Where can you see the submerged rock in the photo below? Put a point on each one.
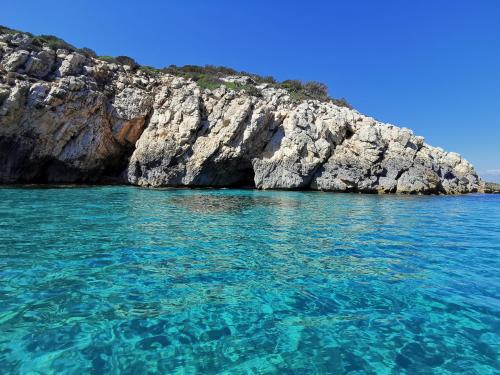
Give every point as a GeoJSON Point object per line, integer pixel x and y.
{"type": "Point", "coordinates": [66, 117]}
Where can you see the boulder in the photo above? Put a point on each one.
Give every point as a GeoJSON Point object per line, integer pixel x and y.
{"type": "Point", "coordinates": [12, 62]}
{"type": "Point", "coordinates": [72, 64]}
{"type": "Point", "coordinates": [41, 64]}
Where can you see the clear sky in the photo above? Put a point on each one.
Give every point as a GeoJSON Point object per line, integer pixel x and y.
{"type": "Point", "coordinates": [429, 65]}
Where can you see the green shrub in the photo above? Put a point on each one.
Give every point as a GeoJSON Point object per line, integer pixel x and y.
{"type": "Point", "coordinates": [150, 70]}
{"type": "Point", "coordinates": [316, 90]}
{"type": "Point", "coordinates": [54, 42]}
{"type": "Point", "coordinates": [224, 70]}
{"type": "Point", "coordinates": [209, 82]}
{"type": "Point", "coordinates": [341, 102]}
{"type": "Point", "coordinates": [192, 70]}
{"type": "Point", "coordinates": [108, 59]}
{"type": "Point", "coordinates": [232, 86]}
{"type": "Point", "coordinates": [292, 85]}
{"type": "Point", "coordinates": [125, 60]}
{"type": "Point", "coordinates": [251, 90]}
{"type": "Point", "coordinates": [88, 52]}
{"type": "Point", "coordinates": [265, 79]}
{"type": "Point", "coordinates": [297, 96]}
{"type": "Point", "coordinates": [310, 90]}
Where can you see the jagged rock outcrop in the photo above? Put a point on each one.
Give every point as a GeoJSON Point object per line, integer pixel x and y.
{"type": "Point", "coordinates": [489, 187]}
{"type": "Point", "coordinates": [68, 117]}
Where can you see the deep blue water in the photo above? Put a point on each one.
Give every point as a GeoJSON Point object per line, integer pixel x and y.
{"type": "Point", "coordinates": [135, 281]}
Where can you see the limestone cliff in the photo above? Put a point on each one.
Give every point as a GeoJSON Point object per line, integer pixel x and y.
{"type": "Point", "coordinates": [69, 117]}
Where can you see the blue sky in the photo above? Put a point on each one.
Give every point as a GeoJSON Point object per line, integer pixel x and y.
{"type": "Point", "coordinates": [432, 66]}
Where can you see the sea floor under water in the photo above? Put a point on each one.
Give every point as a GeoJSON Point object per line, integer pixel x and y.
{"type": "Point", "coordinates": [123, 280]}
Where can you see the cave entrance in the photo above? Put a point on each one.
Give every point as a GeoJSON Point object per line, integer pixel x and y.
{"type": "Point", "coordinates": [237, 173]}
{"type": "Point", "coordinates": [244, 178]}
{"type": "Point", "coordinates": [230, 173]}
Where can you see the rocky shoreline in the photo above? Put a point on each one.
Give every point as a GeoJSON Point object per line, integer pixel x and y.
{"type": "Point", "coordinates": [69, 117]}
{"type": "Point", "coordinates": [490, 188]}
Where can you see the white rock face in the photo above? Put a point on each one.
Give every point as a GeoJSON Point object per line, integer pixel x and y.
{"type": "Point", "coordinates": [68, 117]}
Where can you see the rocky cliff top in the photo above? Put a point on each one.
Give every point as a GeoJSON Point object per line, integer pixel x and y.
{"type": "Point", "coordinates": [68, 116]}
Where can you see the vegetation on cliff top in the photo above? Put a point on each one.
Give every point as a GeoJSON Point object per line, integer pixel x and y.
{"type": "Point", "coordinates": [211, 77]}
{"type": "Point", "coordinates": [51, 41]}
{"type": "Point", "coordinates": [208, 76]}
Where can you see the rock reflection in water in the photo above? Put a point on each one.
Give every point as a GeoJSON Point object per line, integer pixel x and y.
{"type": "Point", "coordinates": [215, 203]}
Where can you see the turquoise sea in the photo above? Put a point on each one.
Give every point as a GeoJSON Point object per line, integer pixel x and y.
{"type": "Point", "coordinates": [122, 280]}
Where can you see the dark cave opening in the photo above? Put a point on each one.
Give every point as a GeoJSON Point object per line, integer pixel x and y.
{"type": "Point", "coordinates": [245, 179]}
{"type": "Point", "coordinates": [232, 173]}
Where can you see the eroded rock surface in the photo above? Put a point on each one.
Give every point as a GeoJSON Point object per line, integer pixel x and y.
{"type": "Point", "coordinates": [67, 117]}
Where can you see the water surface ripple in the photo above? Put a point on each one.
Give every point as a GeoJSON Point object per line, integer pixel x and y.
{"type": "Point", "coordinates": [122, 280]}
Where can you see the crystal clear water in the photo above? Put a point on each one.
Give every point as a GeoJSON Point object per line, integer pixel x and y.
{"type": "Point", "coordinates": [134, 281]}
